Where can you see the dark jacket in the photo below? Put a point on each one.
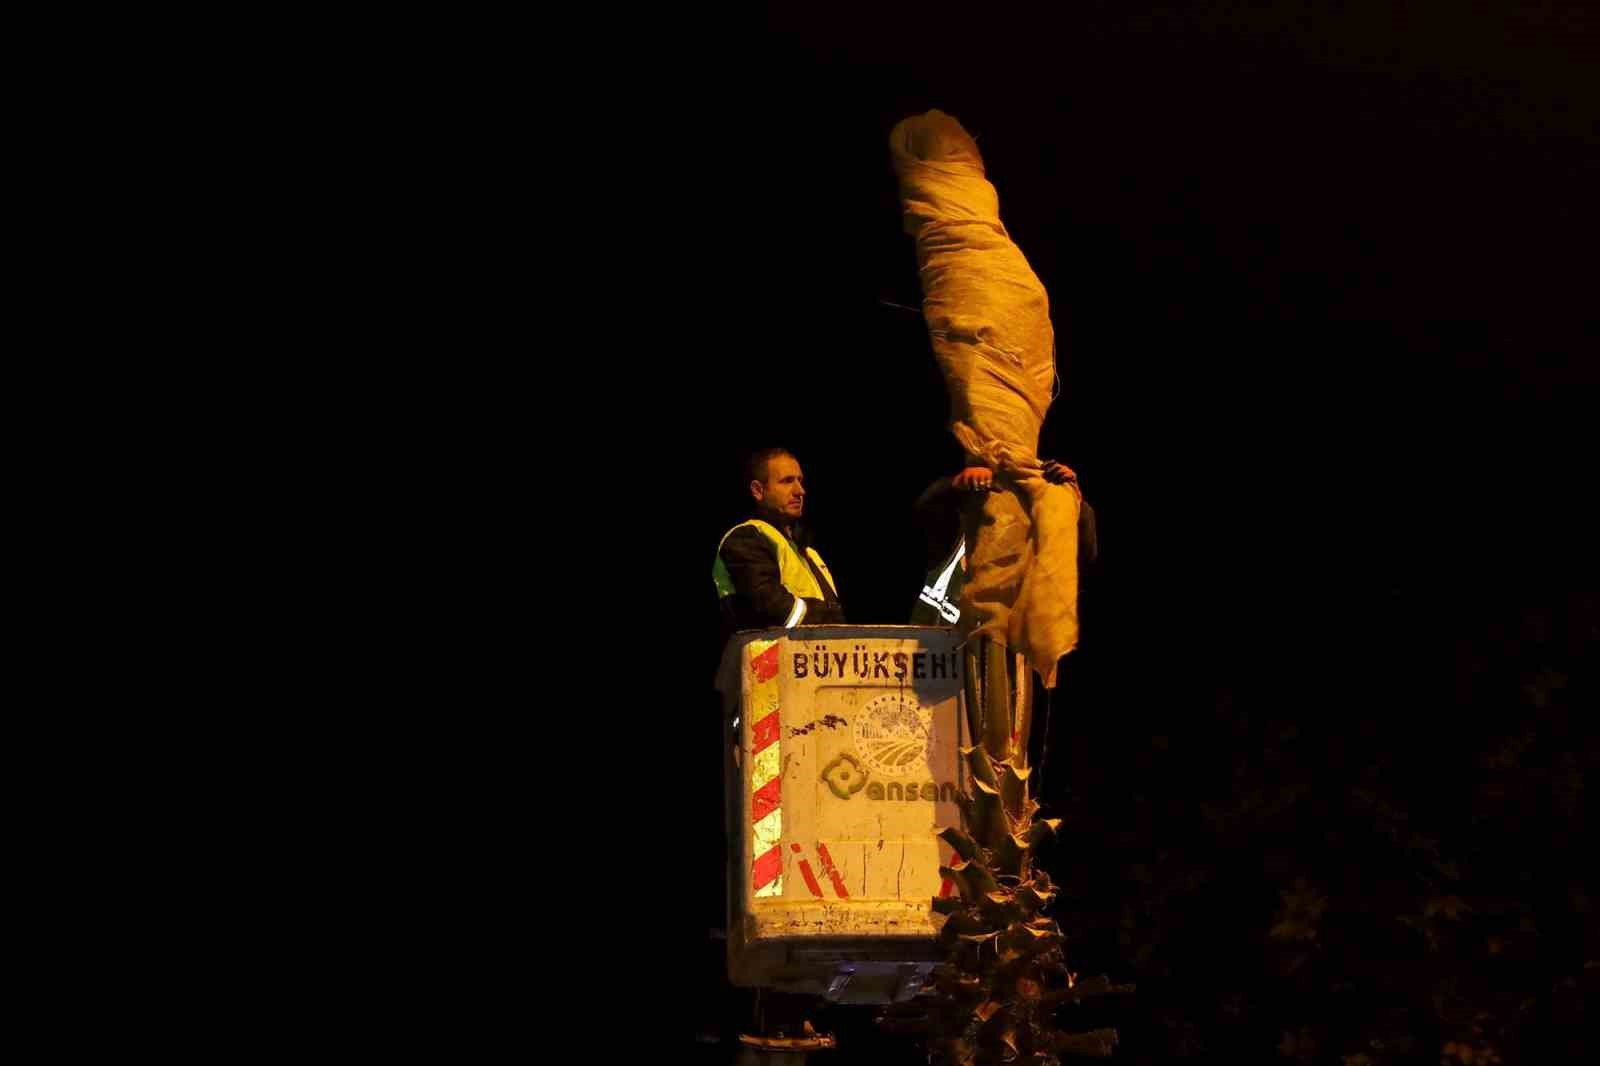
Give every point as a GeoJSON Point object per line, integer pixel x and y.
{"type": "Point", "coordinates": [759, 600]}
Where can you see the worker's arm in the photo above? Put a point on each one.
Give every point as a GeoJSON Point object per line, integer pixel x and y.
{"type": "Point", "coordinates": [938, 509]}
{"type": "Point", "coordinates": [759, 600]}
{"type": "Point", "coordinates": [938, 514]}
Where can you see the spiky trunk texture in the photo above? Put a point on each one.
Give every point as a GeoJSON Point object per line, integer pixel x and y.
{"type": "Point", "coordinates": [995, 997]}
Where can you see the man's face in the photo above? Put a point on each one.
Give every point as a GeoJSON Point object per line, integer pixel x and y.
{"type": "Point", "coordinates": [783, 495]}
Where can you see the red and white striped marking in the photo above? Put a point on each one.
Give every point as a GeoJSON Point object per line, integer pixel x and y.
{"type": "Point", "coordinates": [812, 885]}
{"type": "Point", "coordinates": [766, 786]}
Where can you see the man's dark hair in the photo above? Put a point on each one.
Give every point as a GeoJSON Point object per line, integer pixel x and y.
{"type": "Point", "coordinates": [756, 468]}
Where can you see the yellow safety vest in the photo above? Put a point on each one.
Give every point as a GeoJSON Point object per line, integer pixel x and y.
{"type": "Point", "coordinates": [792, 570]}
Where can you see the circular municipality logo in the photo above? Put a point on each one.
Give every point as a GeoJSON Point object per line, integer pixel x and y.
{"type": "Point", "coordinates": [894, 734]}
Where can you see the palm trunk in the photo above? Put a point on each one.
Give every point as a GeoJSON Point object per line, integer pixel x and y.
{"type": "Point", "coordinates": [994, 999]}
